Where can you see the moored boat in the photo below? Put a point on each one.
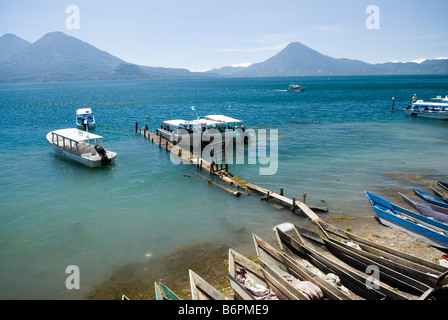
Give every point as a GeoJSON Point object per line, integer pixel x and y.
{"type": "Point", "coordinates": [85, 118]}
{"type": "Point", "coordinates": [202, 290]}
{"type": "Point", "coordinates": [163, 292]}
{"type": "Point", "coordinates": [424, 271]}
{"type": "Point", "coordinates": [431, 199]}
{"type": "Point", "coordinates": [277, 274]}
{"type": "Point", "coordinates": [248, 281]}
{"type": "Point", "coordinates": [436, 109]}
{"type": "Point", "coordinates": [295, 245]}
{"type": "Point", "coordinates": [439, 213]}
{"type": "Point", "coordinates": [423, 228]}
{"type": "Point", "coordinates": [442, 184]}
{"type": "Point", "coordinates": [76, 145]}
{"type": "Point", "coordinates": [295, 88]}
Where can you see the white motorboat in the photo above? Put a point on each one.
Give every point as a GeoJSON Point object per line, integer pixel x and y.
{"type": "Point", "coordinates": [81, 146]}
{"type": "Point", "coordinates": [228, 123]}
{"type": "Point", "coordinates": [85, 118]}
{"type": "Point", "coordinates": [436, 109]}
{"type": "Point", "coordinates": [199, 131]}
{"type": "Point", "coordinates": [295, 88]}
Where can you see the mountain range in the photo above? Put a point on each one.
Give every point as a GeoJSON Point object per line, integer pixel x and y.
{"type": "Point", "coordinates": [59, 57]}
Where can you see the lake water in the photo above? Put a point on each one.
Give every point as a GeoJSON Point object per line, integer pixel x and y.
{"type": "Point", "coordinates": [336, 140]}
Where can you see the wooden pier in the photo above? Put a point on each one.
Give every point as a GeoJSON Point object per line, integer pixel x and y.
{"type": "Point", "coordinates": [222, 173]}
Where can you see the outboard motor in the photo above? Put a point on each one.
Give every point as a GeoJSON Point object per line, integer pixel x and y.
{"type": "Point", "coordinates": [102, 152]}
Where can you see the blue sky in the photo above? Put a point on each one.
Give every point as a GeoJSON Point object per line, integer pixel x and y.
{"type": "Point", "coordinates": [203, 34]}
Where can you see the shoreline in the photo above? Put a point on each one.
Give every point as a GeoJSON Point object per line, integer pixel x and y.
{"type": "Point", "coordinates": [210, 261]}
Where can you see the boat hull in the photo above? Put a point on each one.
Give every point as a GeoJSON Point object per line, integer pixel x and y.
{"type": "Point", "coordinates": [391, 216]}
{"type": "Point", "coordinates": [86, 159]}
{"type": "Point", "coordinates": [430, 114]}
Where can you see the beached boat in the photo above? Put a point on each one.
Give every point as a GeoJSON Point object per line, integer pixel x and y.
{"type": "Point", "coordinates": [436, 212]}
{"type": "Point", "coordinates": [85, 118]}
{"type": "Point", "coordinates": [295, 88]}
{"type": "Point", "coordinates": [81, 146]}
{"type": "Point", "coordinates": [423, 270]}
{"type": "Point", "coordinates": [442, 184]}
{"type": "Point", "coordinates": [295, 244]}
{"type": "Point", "coordinates": [202, 290]}
{"type": "Point", "coordinates": [277, 274]}
{"type": "Point", "coordinates": [164, 293]}
{"type": "Point", "coordinates": [314, 284]}
{"type": "Point", "coordinates": [248, 281]}
{"type": "Point", "coordinates": [431, 199]}
{"type": "Point", "coordinates": [436, 109]}
{"type": "Point", "coordinates": [423, 228]}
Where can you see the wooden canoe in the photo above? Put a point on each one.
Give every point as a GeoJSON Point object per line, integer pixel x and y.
{"type": "Point", "coordinates": [443, 185]}
{"type": "Point", "coordinates": [164, 293]}
{"type": "Point", "coordinates": [240, 292]}
{"type": "Point", "coordinates": [426, 208]}
{"type": "Point", "coordinates": [202, 290]}
{"type": "Point", "coordinates": [275, 271]}
{"type": "Point", "coordinates": [424, 271]}
{"type": "Point", "coordinates": [305, 271]}
{"type": "Point", "coordinates": [391, 272]}
{"type": "Point", "coordinates": [423, 228]}
{"type": "Point", "coordinates": [432, 199]}
{"type": "Point", "coordinates": [361, 283]}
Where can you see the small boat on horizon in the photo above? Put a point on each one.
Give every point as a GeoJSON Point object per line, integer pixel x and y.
{"type": "Point", "coordinates": [85, 118]}
{"type": "Point", "coordinates": [436, 109]}
{"type": "Point", "coordinates": [75, 144]}
{"type": "Point", "coordinates": [295, 88]}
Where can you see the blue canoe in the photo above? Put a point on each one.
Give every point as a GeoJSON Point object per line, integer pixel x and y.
{"type": "Point", "coordinates": [432, 199]}
{"type": "Point", "coordinates": [426, 208]}
{"type": "Point", "coordinates": [423, 228]}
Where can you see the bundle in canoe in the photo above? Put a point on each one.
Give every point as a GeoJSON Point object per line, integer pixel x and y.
{"type": "Point", "coordinates": [248, 281]}
{"type": "Point", "coordinates": [314, 283]}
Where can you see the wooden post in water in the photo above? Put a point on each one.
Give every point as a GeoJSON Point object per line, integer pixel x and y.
{"type": "Point", "coordinates": [136, 127]}
{"type": "Point", "coordinates": [304, 197]}
{"type": "Point", "coordinates": [281, 191]}
{"type": "Point", "coordinates": [293, 208]}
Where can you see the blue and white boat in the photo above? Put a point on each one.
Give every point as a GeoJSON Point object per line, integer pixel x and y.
{"type": "Point", "coordinates": [436, 109]}
{"type": "Point", "coordinates": [431, 199]}
{"type": "Point", "coordinates": [85, 118]}
{"type": "Point", "coordinates": [423, 228]}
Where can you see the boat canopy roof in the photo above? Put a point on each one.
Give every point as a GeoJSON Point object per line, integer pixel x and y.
{"type": "Point", "coordinates": [221, 118]}
{"type": "Point", "coordinates": [205, 122]}
{"type": "Point", "coordinates": [176, 122]}
{"type": "Point", "coordinates": [84, 111]}
{"type": "Point", "coordinates": [76, 134]}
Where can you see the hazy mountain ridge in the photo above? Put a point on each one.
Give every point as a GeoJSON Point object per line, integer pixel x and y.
{"type": "Point", "coordinates": [59, 57]}
{"type": "Point", "coordinates": [297, 59]}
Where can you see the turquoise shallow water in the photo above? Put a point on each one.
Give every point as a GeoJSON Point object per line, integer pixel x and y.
{"type": "Point", "coordinates": [336, 140]}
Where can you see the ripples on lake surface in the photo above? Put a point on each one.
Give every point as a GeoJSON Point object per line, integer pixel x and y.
{"type": "Point", "coordinates": [336, 140]}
